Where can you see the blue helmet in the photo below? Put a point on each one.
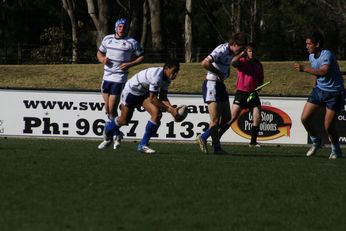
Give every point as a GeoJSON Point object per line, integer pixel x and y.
{"type": "Point", "coordinates": [124, 22]}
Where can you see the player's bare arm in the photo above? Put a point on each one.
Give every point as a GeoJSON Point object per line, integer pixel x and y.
{"type": "Point", "coordinates": [207, 64]}
{"type": "Point", "coordinates": [153, 99]}
{"type": "Point", "coordinates": [167, 104]}
{"type": "Point", "coordinates": [315, 72]}
{"type": "Point", "coordinates": [101, 57]}
{"type": "Point", "coordinates": [235, 59]}
{"type": "Point", "coordinates": [134, 62]}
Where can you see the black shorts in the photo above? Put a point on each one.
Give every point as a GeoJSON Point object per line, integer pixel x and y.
{"type": "Point", "coordinates": [240, 98]}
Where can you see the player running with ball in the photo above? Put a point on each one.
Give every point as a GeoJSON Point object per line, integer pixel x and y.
{"type": "Point", "coordinates": [148, 88]}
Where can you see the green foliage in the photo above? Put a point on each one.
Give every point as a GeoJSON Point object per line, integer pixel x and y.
{"type": "Point", "coordinates": [52, 49]}
{"type": "Point", "coordinates": [279, 28]}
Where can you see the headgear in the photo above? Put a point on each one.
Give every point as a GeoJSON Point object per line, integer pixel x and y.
{"type": "Point", "coordinates": [124, 22]}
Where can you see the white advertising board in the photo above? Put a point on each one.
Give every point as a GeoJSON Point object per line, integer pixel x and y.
{"type": "Point", "coordinates": [70, 114]}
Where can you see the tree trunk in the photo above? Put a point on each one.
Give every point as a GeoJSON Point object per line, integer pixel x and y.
{"type": "Point", "coordinates": [238, 15]}
{"type": "Point", "coordinates": [69, 6]}
{"type": "Point", "coordinates": [99, 19]}
{"type": "Point", "coordinates": [188, 31]}
{"type": "Point", "coordinates": [156, 38]}
{"type": "Point", "coordinates": [4, 28]}
{"type": "Point", "coordinates": [253, 12]}
{"type": "Point", "coordinates": [145, 23]}
{"type": "Point", "coordinates": [19, 37]}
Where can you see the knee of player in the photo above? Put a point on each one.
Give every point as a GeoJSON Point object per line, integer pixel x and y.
{"type": "Point", "coordinates": [122, 120]}
{"type": "Point", "coordinates": [156, 116]}
{"type": "Point", "coordinates": [303, 119]}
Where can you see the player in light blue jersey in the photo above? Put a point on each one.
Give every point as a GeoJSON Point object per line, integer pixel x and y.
{"type": "Point", "coordinates": [328, 94]}
{"type": "Point", "coordinates": [148, 88]}
{"type": "Point", "coordinates": [118, 53]}
{"type": "Point", "coordinates": [217, 63]}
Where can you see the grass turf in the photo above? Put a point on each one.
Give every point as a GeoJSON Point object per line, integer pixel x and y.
{"type": "Point", "coordinates": [285, 80]}
{"type": "Point", "coordinates": [49, 184]}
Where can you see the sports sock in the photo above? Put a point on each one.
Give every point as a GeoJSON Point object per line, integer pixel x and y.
{"type": "Point", "coordinates": [217, 146]}
{"type": "Point", "coordinates": [223, 129]}
{"type": "Point", "coordinates": [116, 127]}
{"type": "Point", "coordinates": [254, 134]}
{"type": "Point", "coordinates": [316, 141]}
{"type": "Point", "coordinates": [336, 149]}
{"type": "Point", "coordinates": [109, 128]}
{"type": "Point", "coordinates": [205, 135]}
{"type": "Point", "coordinates": [150, 129]}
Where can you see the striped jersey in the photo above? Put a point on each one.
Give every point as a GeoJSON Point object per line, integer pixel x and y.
{"type": "Point", "coordinates": [118, 50]}
{"type": "Point", "coordinates": [148, 80]}
{"type": "Point", "coordinates": [221, 59]}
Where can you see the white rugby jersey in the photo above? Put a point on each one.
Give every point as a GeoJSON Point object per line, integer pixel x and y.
{"type": "Point", "coordinates": [221, 60]}
{"type": "Point", "coordinates": [148, 80]}
{"type": "Point", "coordinates": [118, 51]}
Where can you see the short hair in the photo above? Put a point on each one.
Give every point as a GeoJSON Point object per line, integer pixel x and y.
{"type": "Point", "coordinates": [250, 45]}
{"type": "Point", "coordinates": [315, 38]}
{"type": "Point", "coordinates": [240, 39]}
{"type": "Point", "coordinates": [172, 63]}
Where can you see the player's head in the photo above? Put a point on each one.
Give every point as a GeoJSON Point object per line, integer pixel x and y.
{"type": "Point", "coordinates": [121, 27]}
{"type": "Point", "coordinates": [171, 68]}
{"type": "Point", "coordinates": [249, 50]}
{"type": "Point", "coordinates": [238, 42]}
{"type": "Point", "coordinates": [314, 42]}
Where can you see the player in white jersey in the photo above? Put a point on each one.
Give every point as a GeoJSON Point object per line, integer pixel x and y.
{"type": "Point", "coordinates": [214, 90]}
{"type": "Point", "coordinates": [118, 53]}
{"type": "Point", "coordinates": [148, 88]}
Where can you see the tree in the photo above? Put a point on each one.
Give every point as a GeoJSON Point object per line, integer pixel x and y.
{"type": "Point", "coordinates": [70, 8]}
{"type": "Point", "coordinates": [188, 31]}
{"type": "Point", "coordinates": [145, 23]}
{"type": "Point", "coordinates": [156, 31]}
{"type": "Point", "coordinates": [253, 18]}
{"type": "Point", "coordinates": [99, 18]}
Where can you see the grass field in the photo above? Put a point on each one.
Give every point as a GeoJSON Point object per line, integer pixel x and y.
{"type": "Point", "coordinates": [53, 184]}
{"type": "Point", "coordinates": [286, 81]}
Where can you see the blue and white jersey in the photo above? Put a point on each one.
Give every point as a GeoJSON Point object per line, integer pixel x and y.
{"type": "Point", "coordinates": [148, 80]}
{"type": "Point", "coordinates": [222, 57]}
{"type": "Point", "coordinates": [118, 51]}
{"type": "Point", "coordinates": [333, 80]}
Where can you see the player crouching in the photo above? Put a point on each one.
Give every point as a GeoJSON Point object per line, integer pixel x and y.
{"type": "Point", "coordinates": [148, 88]}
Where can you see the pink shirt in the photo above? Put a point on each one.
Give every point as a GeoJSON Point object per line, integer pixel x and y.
{"type": "Point", "coordinates": [249, 75]}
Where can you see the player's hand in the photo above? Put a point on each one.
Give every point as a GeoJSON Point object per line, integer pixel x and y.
{"type": "Point", "coordinates": [124, 66]}
{"type": "Point", "coordinates": [105, 60]}
{"type": "Point", "coordinates": [173, 111]}
{"type": "Point", "coordinates": [298, 67]}
{"type": "Point", "coordinates": [243, 54]}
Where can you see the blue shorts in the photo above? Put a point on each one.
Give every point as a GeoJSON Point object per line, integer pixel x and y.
{"type": "Point", "coordinates": [333, 100]}
{"type": "Point", "coordinates": [133, 101]}
{"type": "Point", "coordinates": [214, 91]}
{"type": "Point", "coordinates": [112, 88]}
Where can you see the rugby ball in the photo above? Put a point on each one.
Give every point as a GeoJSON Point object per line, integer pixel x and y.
{"type": "Point", "coordinates": [182, 113]}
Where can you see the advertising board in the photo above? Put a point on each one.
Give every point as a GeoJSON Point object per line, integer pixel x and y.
{"type": "Point", "coordinates": [71, 114]}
